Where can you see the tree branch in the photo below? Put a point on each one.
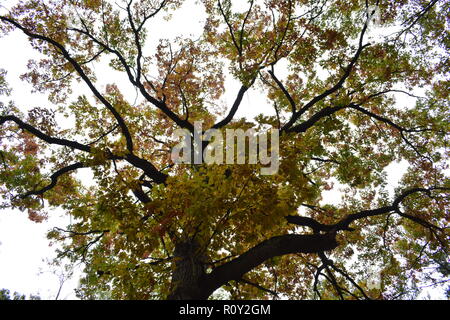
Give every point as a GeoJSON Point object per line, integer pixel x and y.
{"type": "Point", "coordinates": [343, 225]}
{"type": "Point", "coordinates": [335, 87]}
{"type": "Point", "coordinates": [54, 179]}
{"type": "Point", "coordinates": [230, 28]}
{"type": "Point", "coordinates": [78, 68]}
{"type": "Point", "coordinates": [233, 109]}
{"type": "Point", "coordinates": [312, 223]}
{"type": "Point", "coordinates": [276, 246]}
{"type": "Point", "coordinates": [325, 112]}
{"type": "Point", "coordinates": [41, 135]}
{"type": "Point", "coordinates": [284, 90]}
{"type": "Point", "coordinates": [259, 287]}
{"type": "Point", "coordinates": [149, 169]}
{"type": "Point", "coordinates": [394, 125]}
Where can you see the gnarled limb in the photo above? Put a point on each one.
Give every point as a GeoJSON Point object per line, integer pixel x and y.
{"type": "Point", "coordinates": [273, 247]}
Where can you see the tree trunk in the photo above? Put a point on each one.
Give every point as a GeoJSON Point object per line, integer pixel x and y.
{"type": "Point", "coordinates": [188, 273]}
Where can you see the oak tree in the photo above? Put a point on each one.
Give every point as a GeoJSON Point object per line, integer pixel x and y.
{"type": "Point", "coordinates": [354, 87]}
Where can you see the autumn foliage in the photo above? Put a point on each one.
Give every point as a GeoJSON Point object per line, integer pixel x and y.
{"type": "Point", "coordinates": [353, 87]}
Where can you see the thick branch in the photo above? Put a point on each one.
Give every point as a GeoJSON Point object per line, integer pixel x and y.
{"type": "Point", "coordinates": [141, 195]}
{"type": "Point", "coordinates": [273, 247]}
{"type": "Point", "coordinates": [45, 137]}
{"type": "Point", "coordinates": [325, 112]}
{"type": "Point", "coordinates": [149, 169]}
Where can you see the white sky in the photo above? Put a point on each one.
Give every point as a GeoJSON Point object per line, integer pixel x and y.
{"type": "Point", "coordinates": [24, 248]}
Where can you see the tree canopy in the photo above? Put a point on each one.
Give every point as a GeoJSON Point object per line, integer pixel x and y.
{"type": "Point", "coordinates": [354, 87]}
